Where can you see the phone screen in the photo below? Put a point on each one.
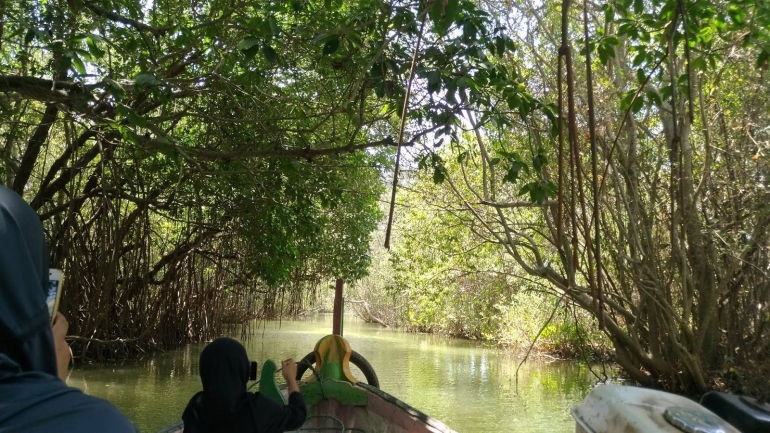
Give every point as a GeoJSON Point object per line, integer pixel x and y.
{"type": "Point", "coordinates": [54, 291]}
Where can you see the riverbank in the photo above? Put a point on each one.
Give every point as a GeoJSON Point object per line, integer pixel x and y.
{"type": "Point", "coordinates": [528, 325]}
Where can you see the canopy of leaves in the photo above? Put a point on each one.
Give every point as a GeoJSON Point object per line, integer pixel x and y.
{"type": "Point", "coordinates": [663, 240]}
{"type": "Point", "coordinates": [217, 151]}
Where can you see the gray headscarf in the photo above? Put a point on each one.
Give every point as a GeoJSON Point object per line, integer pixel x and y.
{"type": "Point", "coordinates": [26, 341]}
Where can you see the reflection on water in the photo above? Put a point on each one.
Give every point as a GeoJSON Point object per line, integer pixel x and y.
{"type": "Point", "coordinates": [470, 388]}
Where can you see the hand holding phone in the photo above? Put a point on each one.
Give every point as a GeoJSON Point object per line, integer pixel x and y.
{"type": "Point", "coordinates": [63, 352]}
{"type": "Point", "coordinates": [55, 277]}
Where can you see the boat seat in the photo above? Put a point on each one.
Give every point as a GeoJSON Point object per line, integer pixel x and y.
{"type": "Point", "coordinates": [332, 358]}
{"type": "Point", "coordinates": [267, 384]}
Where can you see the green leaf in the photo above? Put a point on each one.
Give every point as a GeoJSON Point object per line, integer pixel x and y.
{"type": "Point", "coordinates": [525, 189]}
{"type": "Point", "coordinates": [500, 46]}
{"type": "Point", "coordinates": [78, 64]}
{"type": "Point", "coordinates": [551, 189]}
{"type": "Point", "coordinates": [168, 150]}
{"type": "Point", "coordinates": [251, 52]}
{"type": "Point", "coordinates": [145, 79]}
{"type": "Point", "coordinates": [379, 89]}
{"type": "Point", "coordinates": [331, 45]}
{"type": "Point", "coordinates": [653, 96]}
{"type": "Point", "coordinates": [537, 193]}
{"type": "Point", "coordinates": [494, 161]}
{"type": "Point", "coordinates": [666, 93]}
{"type": "Point", "coordinates": [628, 97]}
{"type": "Point", "coordinates": [129, 114]}
{"type": "Point", "coordinates": [353, 37]}
{"type": "Point", "coordinates": [270, 54]}
{"type": "Point", "coordinates": [637, 104]}
{"type": "Point", "coordinates": [112, 84]}
{"type": "Point", "coordinates": [439, 174]}
{"type": "Point", "coordinates": [539, 161]}
{"type": "Point", "coordinates": [514, 102]}
{"type": "Point", "coordinates": [762, 59]}
{"type": "Point", "coordinates": [604, 55]}
{"type": "Point", "coordinates": [469, 31]}
{"type": "Point", "coordinates": [609, 13]}
{"type": "Point", "coordinates": [136, 119]}
{"type": "Point", "coordinates": [513, 173]}
{"type": "Point", "coordinates": [434, 81]}
{"type": "Point", "coordinates": [29, 36]}
{"type": "Point", "coordinates": [248, 43]}
{"type": "Point", "coordinates": [737, 14]}
{"type": "Point", "coordinates": [641, 77]}
{"type": "Point", "coordinates": [699, 63]}
{"type": "Point", "coordinates": [376, 71]}
{"type": "Point", "coordinates": [93, 48]}
{"type": "Point", "coordinates": [274, 27]}
{"type": "Point", "coordinates": [163, 141]}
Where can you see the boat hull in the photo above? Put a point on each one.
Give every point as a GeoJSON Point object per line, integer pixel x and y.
{"type": "Point", "coordinates": [340, 406]}
{"type": "Point", "coordinates": [380, 413]}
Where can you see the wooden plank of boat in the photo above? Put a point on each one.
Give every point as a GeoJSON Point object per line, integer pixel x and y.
{"type": "Point", "coordinates": [362, 407]}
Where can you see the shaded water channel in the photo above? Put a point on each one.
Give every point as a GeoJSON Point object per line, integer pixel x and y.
{"type": "Point", "coordinates": [469, 387]}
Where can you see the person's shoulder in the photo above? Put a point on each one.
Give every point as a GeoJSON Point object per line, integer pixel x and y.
{"type": "Point", "coordinates": [43, 403]}
{"type": "Point", "coordinates": [98, 414]}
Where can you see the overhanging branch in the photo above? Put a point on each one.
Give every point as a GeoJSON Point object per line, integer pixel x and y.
{"type": "Point", "coordinates": [516, 204]}
{"type": "Point", "coordinates": [157, 31]}
{"type": "Point", "coordinates": [305, 153]}
{"type": "Point", "coordinates": [19, 87]}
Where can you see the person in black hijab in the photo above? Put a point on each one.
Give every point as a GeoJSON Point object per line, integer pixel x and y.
{"type": "Point", "coordinates": [225, 405]}
{"type": "Point", "coordinates": [32, 397]}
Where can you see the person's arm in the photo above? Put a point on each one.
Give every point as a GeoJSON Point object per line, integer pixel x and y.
{"type": "Point", "coordinates": [296, 405]}
{"type": "Point", "coordinates": [289, 371]}
{"type": "Point", "coordinates": [63, 354]}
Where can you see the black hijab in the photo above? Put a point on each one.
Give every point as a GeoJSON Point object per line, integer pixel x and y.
{"type": "Point", "coordinates": [224, 401]}
{"type": "Point", "coordinates": [26, 341]}
{"type": "Point", "coordinates": [224, 370]}
{"type": "Point", "coordinates": [225, 405]}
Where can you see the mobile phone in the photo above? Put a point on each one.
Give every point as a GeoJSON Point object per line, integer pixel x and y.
{"type": "Point", "coordinates": [55, 277]}
{"type": "Point", "coordinates": [253, 371]}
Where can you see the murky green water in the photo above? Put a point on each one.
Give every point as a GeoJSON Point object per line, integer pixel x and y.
{"type": "Point", "coordinates": [469, 387]}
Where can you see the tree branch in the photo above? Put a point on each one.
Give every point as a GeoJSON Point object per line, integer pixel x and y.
{"type": "Point", "coordinates": [517, 204]}
{"type": "Point", "coordinates": [19, 87]}
{"type": "Point", "coordinates": [112, 16]}
{"type": "Point", "coordinates": [33, 148]}
{"type": "Point", "coordinates": [306, 153]}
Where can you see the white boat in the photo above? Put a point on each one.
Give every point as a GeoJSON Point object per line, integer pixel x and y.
{"type": "Point", "coordinates": [629, 409]}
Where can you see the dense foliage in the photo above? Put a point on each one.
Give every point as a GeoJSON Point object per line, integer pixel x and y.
{"type": "Point", "coordinates": [663, 239]}
{"type": "Point", "coordinates": [196, 163]}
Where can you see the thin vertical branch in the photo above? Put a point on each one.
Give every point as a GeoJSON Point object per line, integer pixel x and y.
{"type": "Point", "coordinates": [594, 170]}
{"type": "Point", "coordinates": [564, 51]}
{"type": "Point", "coordinates": [404, 110]}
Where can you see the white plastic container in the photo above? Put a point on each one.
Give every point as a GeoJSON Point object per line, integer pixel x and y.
{"type": "Point", "coordinates": [628, 409]}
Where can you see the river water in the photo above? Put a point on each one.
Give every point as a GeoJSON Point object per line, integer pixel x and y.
{"type": "Point", "coordinates": [469, 387]}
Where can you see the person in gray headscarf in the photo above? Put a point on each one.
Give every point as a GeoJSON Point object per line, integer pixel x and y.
{"type": "Point", "coordinates": [33, 398]}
